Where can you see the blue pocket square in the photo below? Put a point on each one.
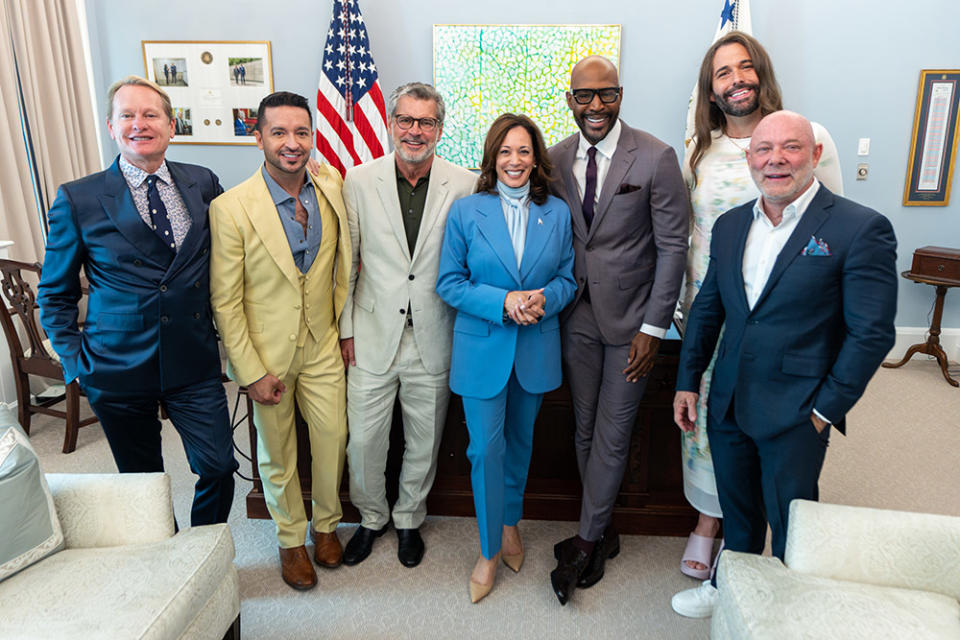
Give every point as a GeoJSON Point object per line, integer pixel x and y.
{"type": "Point", "coordinates": [816, 248]}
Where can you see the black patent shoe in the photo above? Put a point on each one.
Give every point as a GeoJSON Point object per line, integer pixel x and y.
{"type": "Point", "coordinates": [361, 544]}
{"type": "Point", "coordinates": [409, 547]}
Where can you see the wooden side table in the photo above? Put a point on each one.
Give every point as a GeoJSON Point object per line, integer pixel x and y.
{"type": "Point", "coordinates": [932, 346]}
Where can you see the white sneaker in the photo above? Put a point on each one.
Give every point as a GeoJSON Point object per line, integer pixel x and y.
{"type": "Point", "coordinates": [696, 603]}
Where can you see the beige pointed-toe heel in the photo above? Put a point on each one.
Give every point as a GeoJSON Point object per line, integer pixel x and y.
{"type": "Point", "coordinates": [514, 561]}
{"type": "Point", "coordinates": [479, 591]}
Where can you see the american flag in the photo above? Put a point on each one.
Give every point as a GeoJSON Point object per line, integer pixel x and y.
{"type": "Point", "coordinates": [351, 115]}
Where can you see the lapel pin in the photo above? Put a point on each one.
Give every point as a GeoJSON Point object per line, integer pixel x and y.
{"type": "Point", "coordinates": [539, 220]}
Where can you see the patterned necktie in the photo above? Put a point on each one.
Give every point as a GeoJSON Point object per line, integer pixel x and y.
{"type": "Point", "coordinates": [590, 192]}
{"type": "Point", "coordinates": [158, 214]}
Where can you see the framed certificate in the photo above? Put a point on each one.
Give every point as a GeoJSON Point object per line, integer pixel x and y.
{"type": "Point", "coordinates": [933, 145]}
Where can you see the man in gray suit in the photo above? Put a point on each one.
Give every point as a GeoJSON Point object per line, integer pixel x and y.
{"type": "Point", "coordinates": [630, 215]}
{"type": "Point", "coordinates": [395, 331]}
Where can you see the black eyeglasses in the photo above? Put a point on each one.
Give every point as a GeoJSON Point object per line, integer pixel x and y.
{"type": "Point", "coordinates": [608, 95]}
{"type": "Point", "coordinates": [426, 124]}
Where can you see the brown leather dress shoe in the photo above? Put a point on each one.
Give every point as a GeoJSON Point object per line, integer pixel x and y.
{"type": "Point", "coordinates": [295, 568]}
{"type": "Point", "coordinates": [327, 551]}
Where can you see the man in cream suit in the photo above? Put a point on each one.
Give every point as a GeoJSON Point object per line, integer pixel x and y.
{"type": "Point", "coordinates": [278, 280]}
{"type": "Point", "coordinates": [395, 331]}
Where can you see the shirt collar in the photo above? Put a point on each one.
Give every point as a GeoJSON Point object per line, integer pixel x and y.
{"type": "Point", "coordinates": [277, 193]}
{"type": "Point", "coordinates": [135, 175]}
{"type": "Point", "coordinates": [793, 210]}
{"type": "Point", "coordinates": [605, 147]}
{"type": "Point", "coordinates": [403, 180]}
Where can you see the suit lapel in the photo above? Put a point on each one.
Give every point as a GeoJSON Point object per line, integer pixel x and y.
{"type": "Point", "coordinates": [812, 219]}
{"type": "Point", "coordinates": [193, 199]}
{"type": "Point", "coordinates": [565, 160]}
{"type": "Point", "coordinates": [387, 192]}
{"type": "Point", "coordinates": [540, 227]}
{"type": "Point", "coordinates": [492, 225]}
{"type": "Point", "coordinates": [118, 204]}
{"type": "Point", "coordinates": [262, 213]}
{"type": "Point", "coordinates": [437, 194]}
{"type": "Point", "coordinates": [622, 159]}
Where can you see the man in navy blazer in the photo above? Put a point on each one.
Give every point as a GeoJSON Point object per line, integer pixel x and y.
{"type": "Point", "coordinates": [803, 284]}
{"type": "Point", "coordinates": [139, 231]}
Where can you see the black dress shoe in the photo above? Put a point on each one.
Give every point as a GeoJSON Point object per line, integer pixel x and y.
{"type": "Point", "coordinates": [606, 548]}
{"type": "Point", "coordinates": [361, 544]}
{"type": "Point", "coordinates": [571, 563]}
{"type": "Point", "coordinates": [409, 547]}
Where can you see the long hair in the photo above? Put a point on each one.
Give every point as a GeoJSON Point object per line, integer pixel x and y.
{"type": "Point", "coordinates": [539, 175]}
{"type": "Point", "coordinates": [708, 115]}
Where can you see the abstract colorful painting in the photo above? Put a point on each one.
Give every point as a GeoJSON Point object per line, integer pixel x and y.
{"type": "Point", "coordinates": [485, 70]}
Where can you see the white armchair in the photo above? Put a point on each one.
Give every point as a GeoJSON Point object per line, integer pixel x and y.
{"type": "Point", "coordinates": [851, 572]}
{"type": "Point", "coordinates": [123, 572]}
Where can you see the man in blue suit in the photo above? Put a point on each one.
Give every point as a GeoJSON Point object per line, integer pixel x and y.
{"type": "Point", "coordinates": [139, 231]}
{"type": "Point", "coordinates": [804, 285]}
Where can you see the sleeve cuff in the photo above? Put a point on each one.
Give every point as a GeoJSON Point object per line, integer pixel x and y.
{"type": "Point", "coordinates": [823, 417]}
{"type": "Point", "coordinates": [650, 330]}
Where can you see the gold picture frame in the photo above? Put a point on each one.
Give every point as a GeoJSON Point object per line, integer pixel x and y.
{"type": "Point", "coordinates": [215, 86]}
{"type": "Point", "coordinates": [933, 145]}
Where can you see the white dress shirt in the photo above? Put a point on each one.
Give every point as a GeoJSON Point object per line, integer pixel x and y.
{"type": "Point", "coordinates": [605, 150]}
{"type": "Point", "coordinates": [764, 244]}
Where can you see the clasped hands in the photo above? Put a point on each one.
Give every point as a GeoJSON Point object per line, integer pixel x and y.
{"type": "Point", "coordinates": [525, 307]}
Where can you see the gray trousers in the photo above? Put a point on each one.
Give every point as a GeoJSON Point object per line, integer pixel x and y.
{"type": "Point", "coordinates": [423, 402]}
{"type": "Point", "coordinates": [605, 408]}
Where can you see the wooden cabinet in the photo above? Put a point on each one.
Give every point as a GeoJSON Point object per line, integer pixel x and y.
{"type": "Point", "coordinates": [651, 497]}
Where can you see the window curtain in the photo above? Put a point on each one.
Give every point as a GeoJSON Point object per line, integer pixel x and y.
{"type": "Point", "coordinates": [46, 111]}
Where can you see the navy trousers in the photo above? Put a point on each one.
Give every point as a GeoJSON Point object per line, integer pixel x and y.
{"type": "Point", "coordinates": [199, 414]}
{"type": "Point", "coordinates": [758, 477]}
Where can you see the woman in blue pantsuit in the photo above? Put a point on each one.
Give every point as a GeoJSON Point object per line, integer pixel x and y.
{"type": "Point", "coordinates": [507, 268]}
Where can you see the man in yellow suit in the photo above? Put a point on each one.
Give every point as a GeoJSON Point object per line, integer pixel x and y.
{"type": "Point", "coordinates": [278, 279]}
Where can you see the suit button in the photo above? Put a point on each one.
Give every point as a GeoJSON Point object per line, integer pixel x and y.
{"type": "Point", "coordinates": [403, 311]}
{"type": "Point", "coordinates": [292, 337]}
{"type": "Point", "coordinates": [204, 252]}
{"type": "Point", "coordinates": [137, 263]}
{"type": "Point", "coordinates": [410, 277]}
{"type": "Point", "coordinates": [196, 316]}
{"type": "Point", "coordinates": [296, 306]}
{"type": "Point", "coordinates": [164, 319]}
{"type": "Point", "coordinates": [163, 287]}
{"type": "Point", "coordinates": [589, 247]}
{"type": "Point", "coordinates": [197, 284]}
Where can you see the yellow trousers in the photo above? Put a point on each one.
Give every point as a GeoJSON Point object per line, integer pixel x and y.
{"type": "Point", "coordinates": [316, 381]}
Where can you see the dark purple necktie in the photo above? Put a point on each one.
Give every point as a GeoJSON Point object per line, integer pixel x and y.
{"type": "Point", "coordinates": [590, 191]}
{"type": "Point", "coordinates": [158, 214]}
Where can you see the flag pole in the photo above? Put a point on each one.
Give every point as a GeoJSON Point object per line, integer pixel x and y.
{"type": "Point", "coordinates": [348, 92]}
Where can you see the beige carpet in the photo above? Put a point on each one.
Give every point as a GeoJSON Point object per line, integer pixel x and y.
{"type": "Point", "coordinates": [901, 453]}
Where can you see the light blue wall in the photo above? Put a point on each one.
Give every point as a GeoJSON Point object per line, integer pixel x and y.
{"type": "Point", "coordinates": [852, 65]}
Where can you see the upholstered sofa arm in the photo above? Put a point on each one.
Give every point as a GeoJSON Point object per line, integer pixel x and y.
{"type": "Point", "coordinates": [108, 510]}
{"type": "Point", "coordinates": [889, 548]}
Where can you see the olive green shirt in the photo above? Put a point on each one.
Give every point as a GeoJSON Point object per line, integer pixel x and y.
{"type": "Point", "coordinates": [413, 198]}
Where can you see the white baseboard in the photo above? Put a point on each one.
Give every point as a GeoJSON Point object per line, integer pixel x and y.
{"type": "Point", "coordinates": [907, 336]}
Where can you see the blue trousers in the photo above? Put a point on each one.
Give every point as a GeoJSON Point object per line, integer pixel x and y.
{"type": "Point", "coordinates": [501, 441]}
{"type": "Point", "coordinates": [199, 414]}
